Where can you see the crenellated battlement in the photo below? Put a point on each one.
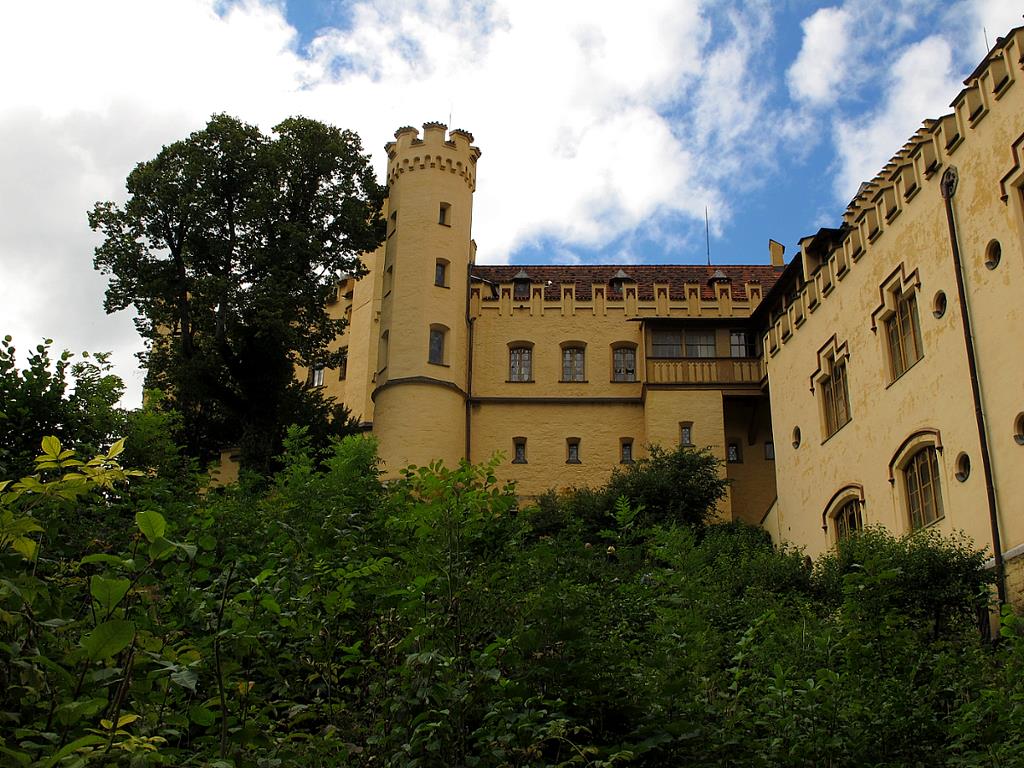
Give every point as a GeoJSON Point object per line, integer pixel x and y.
{"type": "Point", "coordinates": [438, 149]}
{"type": "Point", "coordinates": [634, 291]}
{"type": "Point", "coordinates": [828, 256]}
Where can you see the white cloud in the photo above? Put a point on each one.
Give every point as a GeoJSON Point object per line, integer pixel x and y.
{"type": "Point", "coordinates": [921, 85]}
{"type": "Point", "coordinates": [821, 67]}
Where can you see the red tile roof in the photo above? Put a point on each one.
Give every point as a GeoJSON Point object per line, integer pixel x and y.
{"type": "Point", "coordinates": [584, 276]}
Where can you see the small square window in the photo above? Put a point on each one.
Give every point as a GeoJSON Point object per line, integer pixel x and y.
{"type": "Point", "coordinates": [732, 453]}
{"type": "Point", "coordinates": [572, 450]}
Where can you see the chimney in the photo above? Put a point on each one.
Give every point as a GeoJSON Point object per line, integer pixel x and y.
{"type": "Point", "coordinates": [776, 252]}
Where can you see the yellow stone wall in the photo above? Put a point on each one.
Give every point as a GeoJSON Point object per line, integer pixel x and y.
{"type": "Point", "coordinates": [898, 234]}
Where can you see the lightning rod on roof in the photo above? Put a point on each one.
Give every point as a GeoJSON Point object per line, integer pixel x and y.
{"type": "Point", "coordinates": [984, 31]}
{"type": "Point", "coordinates": [707, 234]}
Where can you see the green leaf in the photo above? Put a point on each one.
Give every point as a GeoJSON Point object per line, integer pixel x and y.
{"type": "Point", "coordinates": [186, 678]}
{"type": "Point", "coordinates": [160, 548]}
{"type": "Point", "coordinates": [101, 557]}
{"type": "Point", "coordinates": [270, 604]}
{"type": "Point", "coordinates": [151, 523]}
{"type": "Point", "coordinates": [51, 446]}
{"type": "Point", "coordinates": [108, 592]}
{"type": "Point", "coordinates": [108, 639]}
{"type": "Point", "coordinates": [200, 715]}
{"type": "Point", "coordinates": [85, 741]}
{"type": "Point", "coordinates": [116, 449]}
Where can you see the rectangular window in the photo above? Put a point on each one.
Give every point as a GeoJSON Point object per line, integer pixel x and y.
{"type": "Point", "coordinates": [441, 273]}
{"type": "Point", "coordinates": [343, 365]}
{"type": "Point", "coordinates": [924, 497]}
{"type": "Point", "coordinates": [904, 335]}
{"type": "Point", "coordinates": [518, 450]}
{"type": "Point", "coordinates": [624, 364]}
{"type": "Point", "coordinates": [700, 343]}
{"type": "Point", "coordinates": [732, 453]}
{"type": "Point", "coordinates": [444, 215]}
{"type": "Point", "coordinates": [626, 451]}
{"type": "Point", "coordinates": [849, 519]}
{"type": "Point", "coordinates": [741, 344]}
{"type": "Point", "coordinates": [521, 290]}
{"type": "Point", "coordinates": [686, 433]}
{"type": "Point", "coordinates": [316, 376]}
{"type": "Point", "coordinates": [769, 451]}
{"type": "Point", "coordinates": [666, 344]}
{"type": "Point", "coordinates": [520, 364]}
{"type": "Point", "coordinates": [572, 364]}
{"type": "Point", "coordinates": [436, 355]}
{"type": "Point", "coordinates": [572, 450]}
{"type": "Point", "coordinates": [835, 398]}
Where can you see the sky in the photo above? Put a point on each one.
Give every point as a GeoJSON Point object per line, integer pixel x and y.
{"type": "Point", "coordinates": [606, 128]}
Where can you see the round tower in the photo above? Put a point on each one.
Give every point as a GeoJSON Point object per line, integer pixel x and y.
{"type": "Point", "coordinates": [422, 368]}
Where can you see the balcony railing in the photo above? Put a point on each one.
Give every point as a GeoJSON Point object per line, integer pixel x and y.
{"type": "Point", "coordinates": [703, 370]}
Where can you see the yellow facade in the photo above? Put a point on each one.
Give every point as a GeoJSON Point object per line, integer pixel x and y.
{"type": "Point", "coordinates": [432, 340]}
{"type": "Point", "coordinates": [843, 306]}
{"type": "Point", "coordinates": [844, 354]}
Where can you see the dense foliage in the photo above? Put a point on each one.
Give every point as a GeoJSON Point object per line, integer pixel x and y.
{"type": "Point", "coordinates": [331, 619]}
{"type": "Point", "coordinates": [228, 246]}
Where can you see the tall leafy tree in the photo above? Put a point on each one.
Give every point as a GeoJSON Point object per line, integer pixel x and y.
{"type": "Point", "coordinates": [228, 246]}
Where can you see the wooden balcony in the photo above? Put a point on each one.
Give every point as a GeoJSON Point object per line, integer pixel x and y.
{"type": "Point", "coordinates": [704, 370]}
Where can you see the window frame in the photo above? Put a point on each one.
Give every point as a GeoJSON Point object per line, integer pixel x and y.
{"type": "Point", "coordinates": [516, 373]}
{"type": "Point", "coordinates": [441, 270]}
{"type": "Point", "coordinates": [920, 472]}
{"type": "Point", "coordinates": [437, 331]}
{"type": "Point", "coordinates": [626, 450]}
{"type": "Point", "coordinates": [748, 345]}
{"type": "Point", "coordinates": [572, 450]}
{"type": "Point", "coordinates": [903, 324]}
{"type": "Point", "coordinates": [699, 348]}
{"type": "Point", "coordinates": [841, 528]}
{"type": "Point", "coordinates": [574, 363]}
{"type": "Point", "coordinates": [343, 364]}
{"type": "Point", "coordinates": [835, 395]}
{"type": "Point", "coordinates": [519, 455]}
{"type": "Point", "coordinates": [628, 374]}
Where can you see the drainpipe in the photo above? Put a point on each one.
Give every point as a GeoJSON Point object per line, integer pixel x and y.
{"type": "Point", "coordinates": [948, 188]}
{"type": "Point", "coordinates": [470, 325]}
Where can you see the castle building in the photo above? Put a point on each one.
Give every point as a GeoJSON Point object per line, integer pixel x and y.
{"type": "Point", "coordinates": [885, 358]}
{"type": "Point", "coordinates": [893, 342]}
{"type": "Point", "coordinates": [567, 371]}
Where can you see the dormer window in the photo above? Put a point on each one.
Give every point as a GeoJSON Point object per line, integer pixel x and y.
{"type": "Point", "coordinates": [521, 286]}
{"type": "Point", "coordinates": [615, 285]}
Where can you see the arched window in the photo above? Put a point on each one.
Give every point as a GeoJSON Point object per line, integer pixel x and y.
{"type": "Point", "coordinates": [844, 513]}
{"type": "Point", "coordinates": [915, 471]}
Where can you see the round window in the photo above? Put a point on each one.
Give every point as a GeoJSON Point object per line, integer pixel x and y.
{"type": "Point", "coordinates": [993, 254]}
{"type": "Point", "coordinates": [1018, 429]}
{"type": "Point", "coordinates": [939, 304]}
{"type": "Point", "coordinates": [963, 467]}
{"type": "Point", "coordinates": [796, 437]}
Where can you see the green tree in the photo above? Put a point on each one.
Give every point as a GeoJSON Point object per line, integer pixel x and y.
{"type": "Point", "coordinates": [228, 246]}
{"type": "Point", "coordinates": [75, 401]}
